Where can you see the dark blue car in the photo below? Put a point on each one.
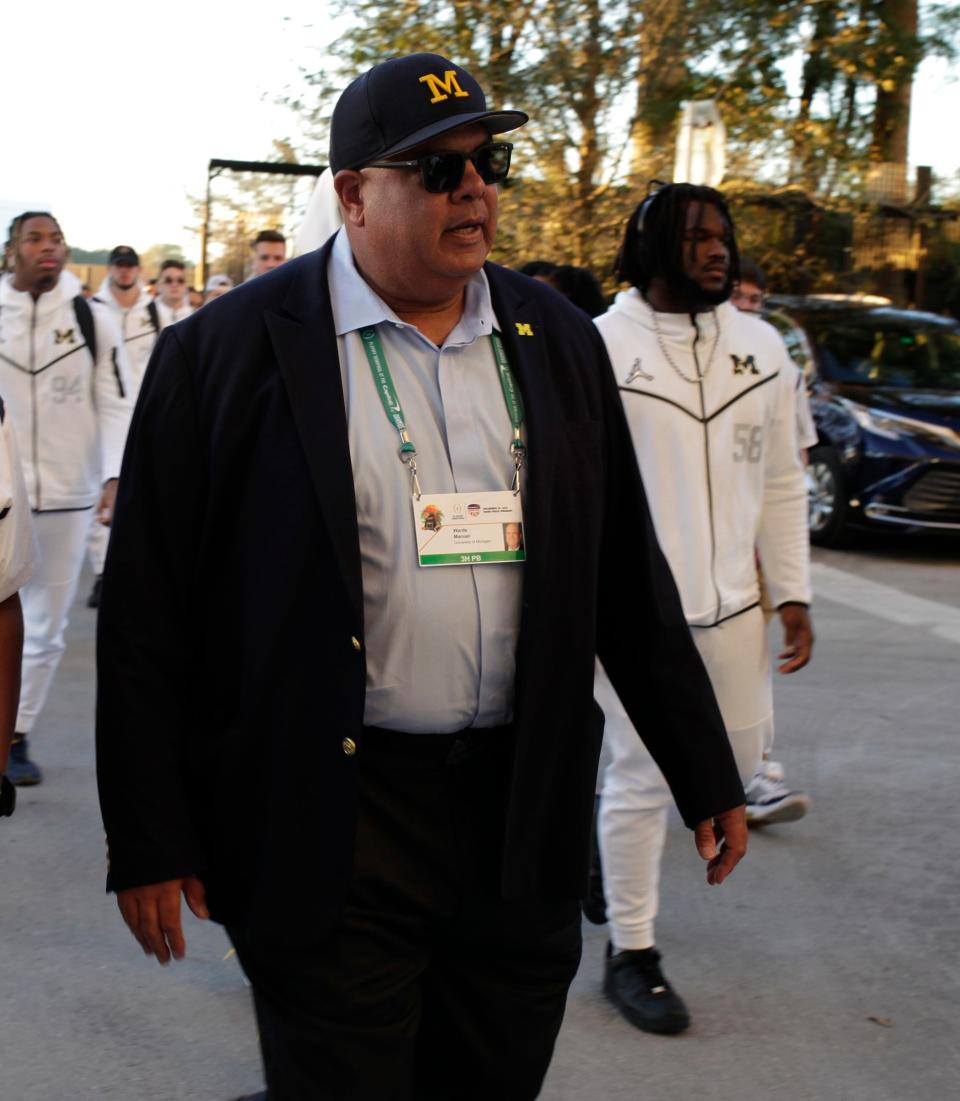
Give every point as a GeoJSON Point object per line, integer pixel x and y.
{"type": "Point", "coordinates": [884, 388]}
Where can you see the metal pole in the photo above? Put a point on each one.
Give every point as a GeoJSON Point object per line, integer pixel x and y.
{"type": "Point", "coordinates": [205, 234]}
{"type": "Point", "coordinates": [216, 166]}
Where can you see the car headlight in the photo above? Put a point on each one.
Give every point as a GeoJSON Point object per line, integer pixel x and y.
{"type": "Point", "coordinates": [893, 426]}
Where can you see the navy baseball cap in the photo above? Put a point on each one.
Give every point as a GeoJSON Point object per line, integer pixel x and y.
{"type": "Point", "coordinates": [125, 256]}
{"type": "Point", "coordinates": [405, 101]}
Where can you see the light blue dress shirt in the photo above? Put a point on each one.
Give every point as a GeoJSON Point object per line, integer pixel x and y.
{"type": "Point", "coordinates": [440, 641]}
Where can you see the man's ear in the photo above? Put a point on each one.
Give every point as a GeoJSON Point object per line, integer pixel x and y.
{"type": "Point", "coordinates": [348, 185]}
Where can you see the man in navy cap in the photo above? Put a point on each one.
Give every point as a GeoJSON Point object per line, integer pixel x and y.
{"type": "Point", "coordinates": [339, 711]}
{"type": "Point", "coordinates": [135, 311]}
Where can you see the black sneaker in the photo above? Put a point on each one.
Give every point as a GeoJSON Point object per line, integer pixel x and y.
{"type": "Point", "coordinates": [93, 600]}
{"type": "Point", "coordinates": [20, 769]}
{"type": "Point", "coordinates": [635, 984]}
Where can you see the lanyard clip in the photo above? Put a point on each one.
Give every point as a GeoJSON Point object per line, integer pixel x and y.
{"type": "Point", "coordinates": [518, 452]}
{"type": "Point", "coordinates": [413, 477]}
{"type": "Point", "coordinates": [408, 456]}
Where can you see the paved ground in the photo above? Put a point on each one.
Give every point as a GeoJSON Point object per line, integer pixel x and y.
{"type": "Point", "coordinates": [827, 968]}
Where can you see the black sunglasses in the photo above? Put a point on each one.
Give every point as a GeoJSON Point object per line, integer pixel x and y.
{"type": "Point", "coordinates": [444, 171]}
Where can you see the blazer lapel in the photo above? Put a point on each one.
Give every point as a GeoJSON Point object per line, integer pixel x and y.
{"type": "Point", "coordinates": [524, 341]}
{"type": "Point", "coordinates": [305, 343]}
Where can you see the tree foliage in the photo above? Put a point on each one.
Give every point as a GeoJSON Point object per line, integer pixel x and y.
{"type": "Point", "coordinates": [812, 92]}
{"type": "Point", "coordinates": [151, 258]}
{"type": "Point", "coordinates": [89, 256]}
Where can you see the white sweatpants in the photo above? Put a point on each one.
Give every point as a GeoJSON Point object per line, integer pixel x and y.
{"type": "Point", "coordinates": [635, 797]}
{"type": "Point", "coordinates": [46, 599]}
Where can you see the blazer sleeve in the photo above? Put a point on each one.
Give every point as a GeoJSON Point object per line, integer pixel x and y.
{"type": "Point", "coordinates": [643, 640]}
{"type": "Point", "coordinates": [144, 636]}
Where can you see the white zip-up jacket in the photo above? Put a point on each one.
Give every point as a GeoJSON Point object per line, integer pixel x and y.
{"type": "Point", "coordinates": [136, 327]}
{"type": "Point", "coordinates": [169, 315]}
{"type": "Point", "coordinates": [717, 450]}
{"type": "Point", "coordinates": [70, 414]}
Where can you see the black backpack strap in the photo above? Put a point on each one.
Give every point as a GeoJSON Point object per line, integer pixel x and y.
{"type": "Point", "coordinates": [81, 307]}
{"type": "Point", "coordinates": [154, 315]}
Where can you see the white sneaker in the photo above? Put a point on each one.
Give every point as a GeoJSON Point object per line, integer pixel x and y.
{"type": "Point", "coordinates": [769, 799]}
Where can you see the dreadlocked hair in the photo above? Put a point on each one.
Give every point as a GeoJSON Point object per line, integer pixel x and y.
{"type": "Point", "coordinates": [653, 239]}
{"type": "Point", "coordinates": [15, 227]}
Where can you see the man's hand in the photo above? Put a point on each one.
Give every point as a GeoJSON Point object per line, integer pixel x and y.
{"type": "Point", "coordinates": [797, 638]}
{"type": "Point", "coordinates": [108, 498]}
{"type": "Point", "coordinates": [722, 842]}
{"type": "Point", "coordinates": [153, 915]}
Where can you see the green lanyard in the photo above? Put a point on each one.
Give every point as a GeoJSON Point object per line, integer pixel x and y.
{"type": "Point", "coordinates": [391, 403]}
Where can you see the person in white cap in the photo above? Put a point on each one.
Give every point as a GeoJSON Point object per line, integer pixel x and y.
{"type": "Point", "coordinates": [217, 285]}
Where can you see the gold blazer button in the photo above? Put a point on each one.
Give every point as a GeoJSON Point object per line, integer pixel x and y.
{"type": "Point", "coordinates": [349, 746]}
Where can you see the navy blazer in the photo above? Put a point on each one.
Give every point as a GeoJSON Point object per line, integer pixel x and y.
{"type": "Point", "coordinates": [230, 644]}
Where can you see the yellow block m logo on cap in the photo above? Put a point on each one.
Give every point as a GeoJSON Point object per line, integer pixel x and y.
{"type": "Point", "coordinates": [443, 87]}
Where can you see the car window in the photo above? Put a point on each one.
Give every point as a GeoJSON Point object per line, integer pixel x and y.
{"type": "Point", "coordinates": [877, 352]}
{"type": "Point", "coordinates": [795, 340]}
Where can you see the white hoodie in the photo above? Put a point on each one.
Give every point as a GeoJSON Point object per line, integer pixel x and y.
{"type": "Point", "coordinates": [136, 327]}
{"type": "Point", "coordinates": [70, 414]}
{"type": "Point", "coordinates": [169, 315]}
{"type": "Point", "coordinates": [718, 454]}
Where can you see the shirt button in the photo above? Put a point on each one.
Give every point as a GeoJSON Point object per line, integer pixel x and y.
{"type": "Point", "coordinates": [349, 746]}
{"type": "Point", "coordinates": [356, 643]}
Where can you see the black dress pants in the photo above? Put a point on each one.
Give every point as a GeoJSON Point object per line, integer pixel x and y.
{"type": "Point", "coordinates": [431, 987]}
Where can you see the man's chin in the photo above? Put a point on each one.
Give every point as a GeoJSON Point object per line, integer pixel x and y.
{"type": "Point", "coordinates": [714, 298]}
{"type": "Point", "coordinates": [465, 262]}
{"type": "Point", "coordinates": [695, 297]}
{"type": "Point", "coordinates": [703, 297]}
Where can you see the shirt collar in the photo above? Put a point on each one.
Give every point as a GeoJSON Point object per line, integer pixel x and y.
{"type": "Point", "coordinates": [356, 305]}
